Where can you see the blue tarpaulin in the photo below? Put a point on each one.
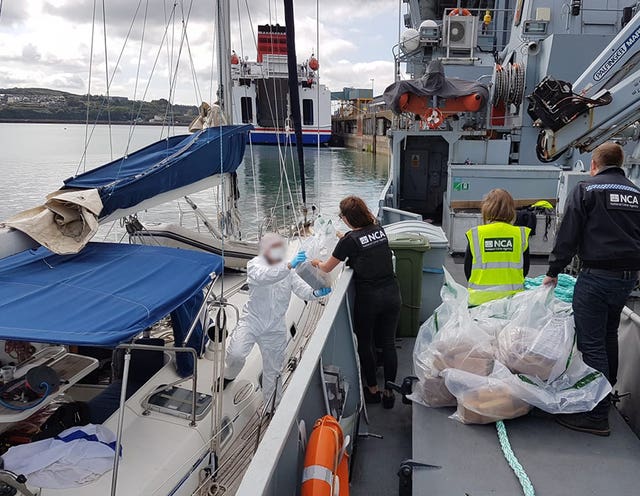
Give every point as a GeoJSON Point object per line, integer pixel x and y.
{"type": "Point", "coordinates": [102, 296]}
{"type": "Point", "coordinates": [166, 165]}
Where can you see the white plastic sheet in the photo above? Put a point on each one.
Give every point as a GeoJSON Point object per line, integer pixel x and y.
{"type": "Point", "coordinates": [496, 357]}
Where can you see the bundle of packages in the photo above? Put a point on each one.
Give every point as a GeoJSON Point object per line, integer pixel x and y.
{"type": "Point", "coordinates": [483, 400]}
{"type": "Point", "coordinates": [449, 339]}
{"type": "Point", "coordinates": [498, 360]}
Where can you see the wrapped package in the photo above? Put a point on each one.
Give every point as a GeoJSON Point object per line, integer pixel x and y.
{"type": "Point", "coordinates": [501, 358]}
{"type": "Point", "coordinates": [449, 339]}
{"type": "Point", "coordinates": [483, 400]}
{"type": "Point", "coordinates": [463, 354]}
{"type": "Point", "coordinates": [539, 339]}
{"type": "Point", "coordinates": [434, 392]}
{"type": "Point", "coordinates": [578, 389]}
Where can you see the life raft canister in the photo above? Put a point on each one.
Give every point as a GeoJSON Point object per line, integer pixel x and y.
{"type": "Point", "coordinates": [325, 473]}
{"type": "Point", "coordinates": [464, 12]}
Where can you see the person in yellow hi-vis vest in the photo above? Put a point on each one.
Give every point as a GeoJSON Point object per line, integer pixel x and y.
{"type": "Point", "coordinates": [497, 258]}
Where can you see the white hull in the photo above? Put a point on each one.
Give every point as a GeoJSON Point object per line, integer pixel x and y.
{"type": "Point", "coordinates": [236, 253]}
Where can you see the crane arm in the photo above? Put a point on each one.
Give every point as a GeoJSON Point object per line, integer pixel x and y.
{"type": "Point", "coordinates": [601, 103]}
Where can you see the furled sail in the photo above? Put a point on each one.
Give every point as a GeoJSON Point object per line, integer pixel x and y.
{"type": "Point", "coordinates": [165, 170]}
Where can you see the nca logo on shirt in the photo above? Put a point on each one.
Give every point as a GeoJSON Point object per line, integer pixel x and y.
{"type": "Point", "coordinates": [372, 238]}
{"type": "Point", "coordinates": [498, 245]}
{"type": "Point", "coordinates": [623, 201]}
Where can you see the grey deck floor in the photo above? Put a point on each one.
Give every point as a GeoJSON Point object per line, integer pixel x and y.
{"type": "Point", "coordinates": [559, 462]}
{"type": "Point", "coordinates": [377, 461]}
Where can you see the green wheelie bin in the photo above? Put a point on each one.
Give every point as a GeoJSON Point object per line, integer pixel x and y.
{"type": "Point", "coordinates": [408, 249]}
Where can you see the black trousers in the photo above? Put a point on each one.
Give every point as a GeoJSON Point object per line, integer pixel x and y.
{"type": "Point", "coordinates": [598, 300]}
{"type": "Point", "coordinates": [376, 316]}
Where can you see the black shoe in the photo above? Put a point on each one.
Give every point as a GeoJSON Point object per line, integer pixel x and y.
{"type": "Point", "coordinates": [371, 398]}
{"type": "Point", "coordinates": [582, 422]}
{"type": "Point", "coordinates": [388, 400]}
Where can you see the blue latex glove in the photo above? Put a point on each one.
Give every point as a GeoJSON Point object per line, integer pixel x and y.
{"type": "Point", "coordinates": [298, 259]}
{"type": "Point", "coordinates": [319, 293]}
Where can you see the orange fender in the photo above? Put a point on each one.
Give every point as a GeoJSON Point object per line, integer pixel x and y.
{"type": "Point", "coordinates": [321, 460]}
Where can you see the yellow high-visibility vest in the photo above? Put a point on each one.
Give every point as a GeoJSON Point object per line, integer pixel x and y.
{"type": "Point", "coordinates": [497, 252]}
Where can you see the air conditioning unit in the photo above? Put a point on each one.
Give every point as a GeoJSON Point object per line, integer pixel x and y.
{"type": "Point", "coordinates": [460, 32]}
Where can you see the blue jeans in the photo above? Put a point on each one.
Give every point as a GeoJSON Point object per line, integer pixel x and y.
{"type": "Point", "coordinates": [598, 301]}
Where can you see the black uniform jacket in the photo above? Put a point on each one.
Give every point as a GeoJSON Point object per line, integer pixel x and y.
{"type": "Point", "coordinates": [601, 224]}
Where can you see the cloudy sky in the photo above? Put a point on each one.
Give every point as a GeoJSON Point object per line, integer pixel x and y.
{"type": "Point", "coordinates": [47, 43]}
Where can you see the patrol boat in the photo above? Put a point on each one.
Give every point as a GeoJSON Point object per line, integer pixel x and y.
{"type": "Point", "coordinates": [513, 94]}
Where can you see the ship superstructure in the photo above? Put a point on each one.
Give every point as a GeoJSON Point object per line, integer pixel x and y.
{"type": "Point", "coordinates": [260, 93]}
{"type": "Point", "coordinates": [449, 150]}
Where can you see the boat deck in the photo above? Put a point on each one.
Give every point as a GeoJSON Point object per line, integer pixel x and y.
{"type": "Point", "coordinates": [557, 460]}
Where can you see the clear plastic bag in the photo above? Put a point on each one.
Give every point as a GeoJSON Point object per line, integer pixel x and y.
{"type": "Point", "coordinates": [499, 359]}
{"type": "Point", "coordinates": [578, 389]}
{"type": "Point", "coordinates": [313, 276]}
{"type": "Point", "coordinates": [483, 400]}
{"type": "Point", "coordinates": [323, 241]}
{"type": "Point", "coordinates": [449, 339]}
{"type": "Point", "coordinates": [539, 337]}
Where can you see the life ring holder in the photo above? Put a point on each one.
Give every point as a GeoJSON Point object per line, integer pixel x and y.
{"type": "Point", "coordinates": [431, 119]}
{"type": "Point", "coordinates": [456, 12]}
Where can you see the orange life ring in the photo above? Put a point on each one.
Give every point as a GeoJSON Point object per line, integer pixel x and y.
{"type": "Point", "coordinates": [431, 119]}
{"type": "Point", "coordinates": [326, 472]}
{"type": "Point", "coordinates": [464, 12]}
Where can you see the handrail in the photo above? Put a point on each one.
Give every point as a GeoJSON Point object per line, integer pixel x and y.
{"type": "Point", "coordinates": [123, 395]}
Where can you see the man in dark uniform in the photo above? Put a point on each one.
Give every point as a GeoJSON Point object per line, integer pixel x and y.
{"type": "Point", "coordinates": [601, 224]}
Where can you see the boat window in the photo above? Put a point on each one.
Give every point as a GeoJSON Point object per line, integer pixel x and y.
{"type": "Point", "coordinates": [246, 105]}
{"type": "Point", "coordinates": [307, 112]}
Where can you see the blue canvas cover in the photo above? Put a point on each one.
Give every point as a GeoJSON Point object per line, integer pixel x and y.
{"type": "Point", "coordinates": [164, 166]}
{"type": "Point", "coordinates": [102, 296]}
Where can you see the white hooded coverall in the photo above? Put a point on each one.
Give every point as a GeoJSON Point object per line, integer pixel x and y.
{"type": "Point", "coordinates": [263, 321]}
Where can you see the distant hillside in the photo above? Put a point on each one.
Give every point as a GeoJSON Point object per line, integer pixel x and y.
{"type": "Point", "coordinates": [44, 105]}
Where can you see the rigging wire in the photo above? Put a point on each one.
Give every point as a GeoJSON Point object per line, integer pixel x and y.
{"type": "Point", "coordinates": [110, 81]}
{"type": "Point", "coordinates": [86, 128]}
{"type": "Point", "coordinates": [135, 86]}
{"type": "Point", "coordinates": [106, 74]}
{"type": "Point", "coordinates": [252, 156]}
{"type": "Point", "coordinates": [317, 188]}
{"type": "Point", "coordinates": [172, 86]}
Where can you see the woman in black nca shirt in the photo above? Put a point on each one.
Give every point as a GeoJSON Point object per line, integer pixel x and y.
{"type": "Point", "coordinates": [377, 302]}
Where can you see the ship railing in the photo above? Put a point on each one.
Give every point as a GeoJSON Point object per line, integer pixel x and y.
{"type": "Point", "coordinates": [274, 468]}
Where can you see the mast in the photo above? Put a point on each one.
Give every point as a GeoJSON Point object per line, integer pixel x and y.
{"type": "Point", "coordinates": [294, 91]}
{"type": "Point", "coordinates": [223, 19]}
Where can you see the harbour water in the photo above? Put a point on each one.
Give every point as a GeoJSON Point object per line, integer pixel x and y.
{"type": "Point", "coordinates": [35, 158]}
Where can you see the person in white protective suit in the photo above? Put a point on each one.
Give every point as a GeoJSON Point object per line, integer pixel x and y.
{"type": "Point", "coordinates": [271, 280]}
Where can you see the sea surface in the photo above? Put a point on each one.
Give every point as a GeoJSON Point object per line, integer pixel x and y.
{"type": "Point", "coordinates": [36, 158]}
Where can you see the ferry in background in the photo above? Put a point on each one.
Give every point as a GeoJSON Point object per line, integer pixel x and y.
{"type": "Point", "coordinates": [260, 93]}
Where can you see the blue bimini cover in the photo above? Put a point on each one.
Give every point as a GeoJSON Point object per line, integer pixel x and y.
{"type": "Point", "coordinates": [102, 296]}
{"type": "Point", "coordinates": [166, 165]}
